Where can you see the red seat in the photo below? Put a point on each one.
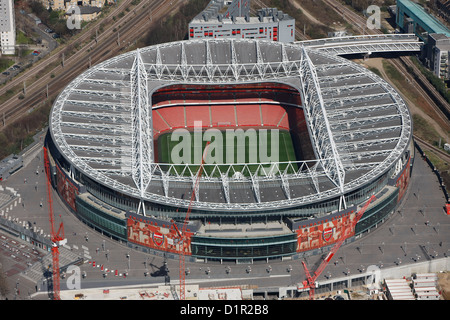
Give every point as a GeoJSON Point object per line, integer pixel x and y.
{"type": "Point", "coordinates": [197, 113]}
{"type": "Point", "coordinates": [174, 116]}
{"type": "Point", "coordinates": [223, 115]}
{"type": "Point", "coordinates": [248, 115]}
{"type": "Point", "coordinates": [272, 114]}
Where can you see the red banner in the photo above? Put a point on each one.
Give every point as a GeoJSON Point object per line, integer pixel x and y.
{"type": "Point", "coordinates": [403, 180]}
{"type": "Point", "coordinates": [66, 189]}
{"type": "Point", "coordinates": [323, 233]}
{"type": "Point", "coordinates": [161, 237]}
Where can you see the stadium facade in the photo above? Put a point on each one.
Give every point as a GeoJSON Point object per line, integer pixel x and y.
{"type": "Point", "coordinates": [350, 131]}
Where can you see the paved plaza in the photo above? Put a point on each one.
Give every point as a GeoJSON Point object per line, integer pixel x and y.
{"type": "Point", "coordinates": [417, 231]}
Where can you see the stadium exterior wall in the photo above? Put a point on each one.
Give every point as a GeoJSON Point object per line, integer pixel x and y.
{"type": "Point", "coordinates": [98, 182]}
{"type": "Point", "coordinates": [151, 234]}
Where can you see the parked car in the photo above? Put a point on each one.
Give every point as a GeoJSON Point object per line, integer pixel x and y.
{"type": "Point", "coordinates": [6, 73]}
{"type": "Point", "coordinates": [35, 53]}
{"type": "Point", "coordinates": [55, 36]}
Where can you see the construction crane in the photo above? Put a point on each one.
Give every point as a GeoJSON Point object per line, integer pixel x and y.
{"type": "Point", "coordinates": [311, 280]}
{"type": "Point", "coordinates": [57, 237]}
{"type": "Point", "coordinates": [182, 235]}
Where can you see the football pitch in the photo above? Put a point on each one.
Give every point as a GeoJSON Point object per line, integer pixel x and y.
{"type": "Point", "coordinates": [229, 149]}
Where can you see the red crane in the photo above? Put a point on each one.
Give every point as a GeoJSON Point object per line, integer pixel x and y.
{"type": "Point", "coordinates": [57, 237]}
{"type": "Point", "coordinates": [311, 280]}
{"type": "Point", "coordinates": [182, 235]}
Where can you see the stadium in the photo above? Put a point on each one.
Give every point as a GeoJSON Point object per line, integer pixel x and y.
{"type": "Point", "coordinates": [342, 134]}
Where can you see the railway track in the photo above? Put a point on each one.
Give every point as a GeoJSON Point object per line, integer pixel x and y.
{"type": "Point", "coordinates": [440, 106]}
{"type": "Point", "coordinates": [132, 25]}
{"type": "Point", "coordinates": [54, 56]}
{"type": "Point", "coordinates": [442, 154]}
{"type": "Point", "coordinates": [349, 15]}
{"type": "Point", "coordinates": [400, 65]}
{"type": "Point", "coordinates": [438, 100]}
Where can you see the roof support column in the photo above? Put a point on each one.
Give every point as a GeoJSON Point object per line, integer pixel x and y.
{"type": "Point", "coordinates": [255, 186]}
{"type": "Point", "coordinates": [141, 129]}
{"type": "Point", "coordinates": [320, 130]}
{"type": "Point", "coordinates": [226, 187]}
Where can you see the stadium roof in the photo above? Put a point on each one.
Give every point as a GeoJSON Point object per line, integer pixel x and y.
{"type": "Point", "coordinates": [358, 124]}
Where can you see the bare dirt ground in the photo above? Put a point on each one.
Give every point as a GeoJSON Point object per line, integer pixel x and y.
{"type": "Point", "coordinates": [444, 285]}
{"type": "Point", "coordinates": [306, 13]}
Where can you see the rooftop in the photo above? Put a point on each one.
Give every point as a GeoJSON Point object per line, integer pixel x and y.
{"type": "Point", "coordinates": [435, 25]}
{"type": "Point", "coordinates": [86, 10]}
{"type": "Point", "coordinates": [370, 125]}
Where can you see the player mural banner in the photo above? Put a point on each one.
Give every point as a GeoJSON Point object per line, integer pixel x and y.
{"type": "Point", "coordinates": [67, 189]}
{"type": "Point", "coordinates": [156, 235]}
{"type": "Point", "coordinates": [403, 180]}
{"type": "Point", "coordinates": [325, 232]}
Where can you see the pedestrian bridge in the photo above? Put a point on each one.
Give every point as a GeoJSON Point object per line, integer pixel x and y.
{"type": "Point", "coordinates": [366, 44]}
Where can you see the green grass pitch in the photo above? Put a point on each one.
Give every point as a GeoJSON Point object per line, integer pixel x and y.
{"type": "Point", "coordinates": [239, 146]}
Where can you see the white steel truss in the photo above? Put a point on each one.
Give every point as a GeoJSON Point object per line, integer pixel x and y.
{"type": "Point", "coordinates": [117, 125]}
{"type": "Point", "coordinates": [141, 128]}
{"type": "Point", "coordinates": [319, 125]}
{"type": "Point", "coordinates": [373, 47]}
{"type": "Point", "coordinates": [107, 106]}
{"type": "Point", "coordinates": [365, 44]}
{"type": "Point", "coordinates": [225, 186]}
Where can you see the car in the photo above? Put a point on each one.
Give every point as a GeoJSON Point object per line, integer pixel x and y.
{"type": "Point", "coordinates": [55, 36]}
{"type": "Point", "coordinates": [15, 67]}
{"type": "Point", "coordinates": [35, 53]}
{"type": "Point", "coordinates": [6, 73]}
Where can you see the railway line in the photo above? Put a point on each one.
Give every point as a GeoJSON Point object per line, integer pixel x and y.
{"type": "Point", "coordinates": [132, 25]}
{"type": "Point", "coordinates": [443, 155]}
{"type": "Point", "coordinates": [439, 102]}
{"type": "Point", "coordinates": [349, 15]}
{"type": "Point", "coordinates": [400, 64]}
{"type": "Point", "coordinates": [82, 37]}
{"type": "Point", "coordinates": [360, 23]}
{"type": "Point", "coordinates": [439, 105]}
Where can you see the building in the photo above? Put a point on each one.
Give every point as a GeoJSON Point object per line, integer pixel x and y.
{"type": "Point", "coordinates": [346, 135]}
{"type": "Point", "coordinates": [66, 4]}
{"type": "Point", "coordinates": [437, 55]}
{"type": "Point", "coordinates": [9, 165]}
{"type": "Point", "coordinates": [35, 19]}
{"type": "Point", "coordinates": [7, 27]}
{"type": "Point", "coordinates": [412, 18]}
{"type": "Point", "coordinates": [219, 21]}
{"type": "Point", "coordinates": [87, 13]}
{"type": "Point", "coordinates": [84, 3]}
